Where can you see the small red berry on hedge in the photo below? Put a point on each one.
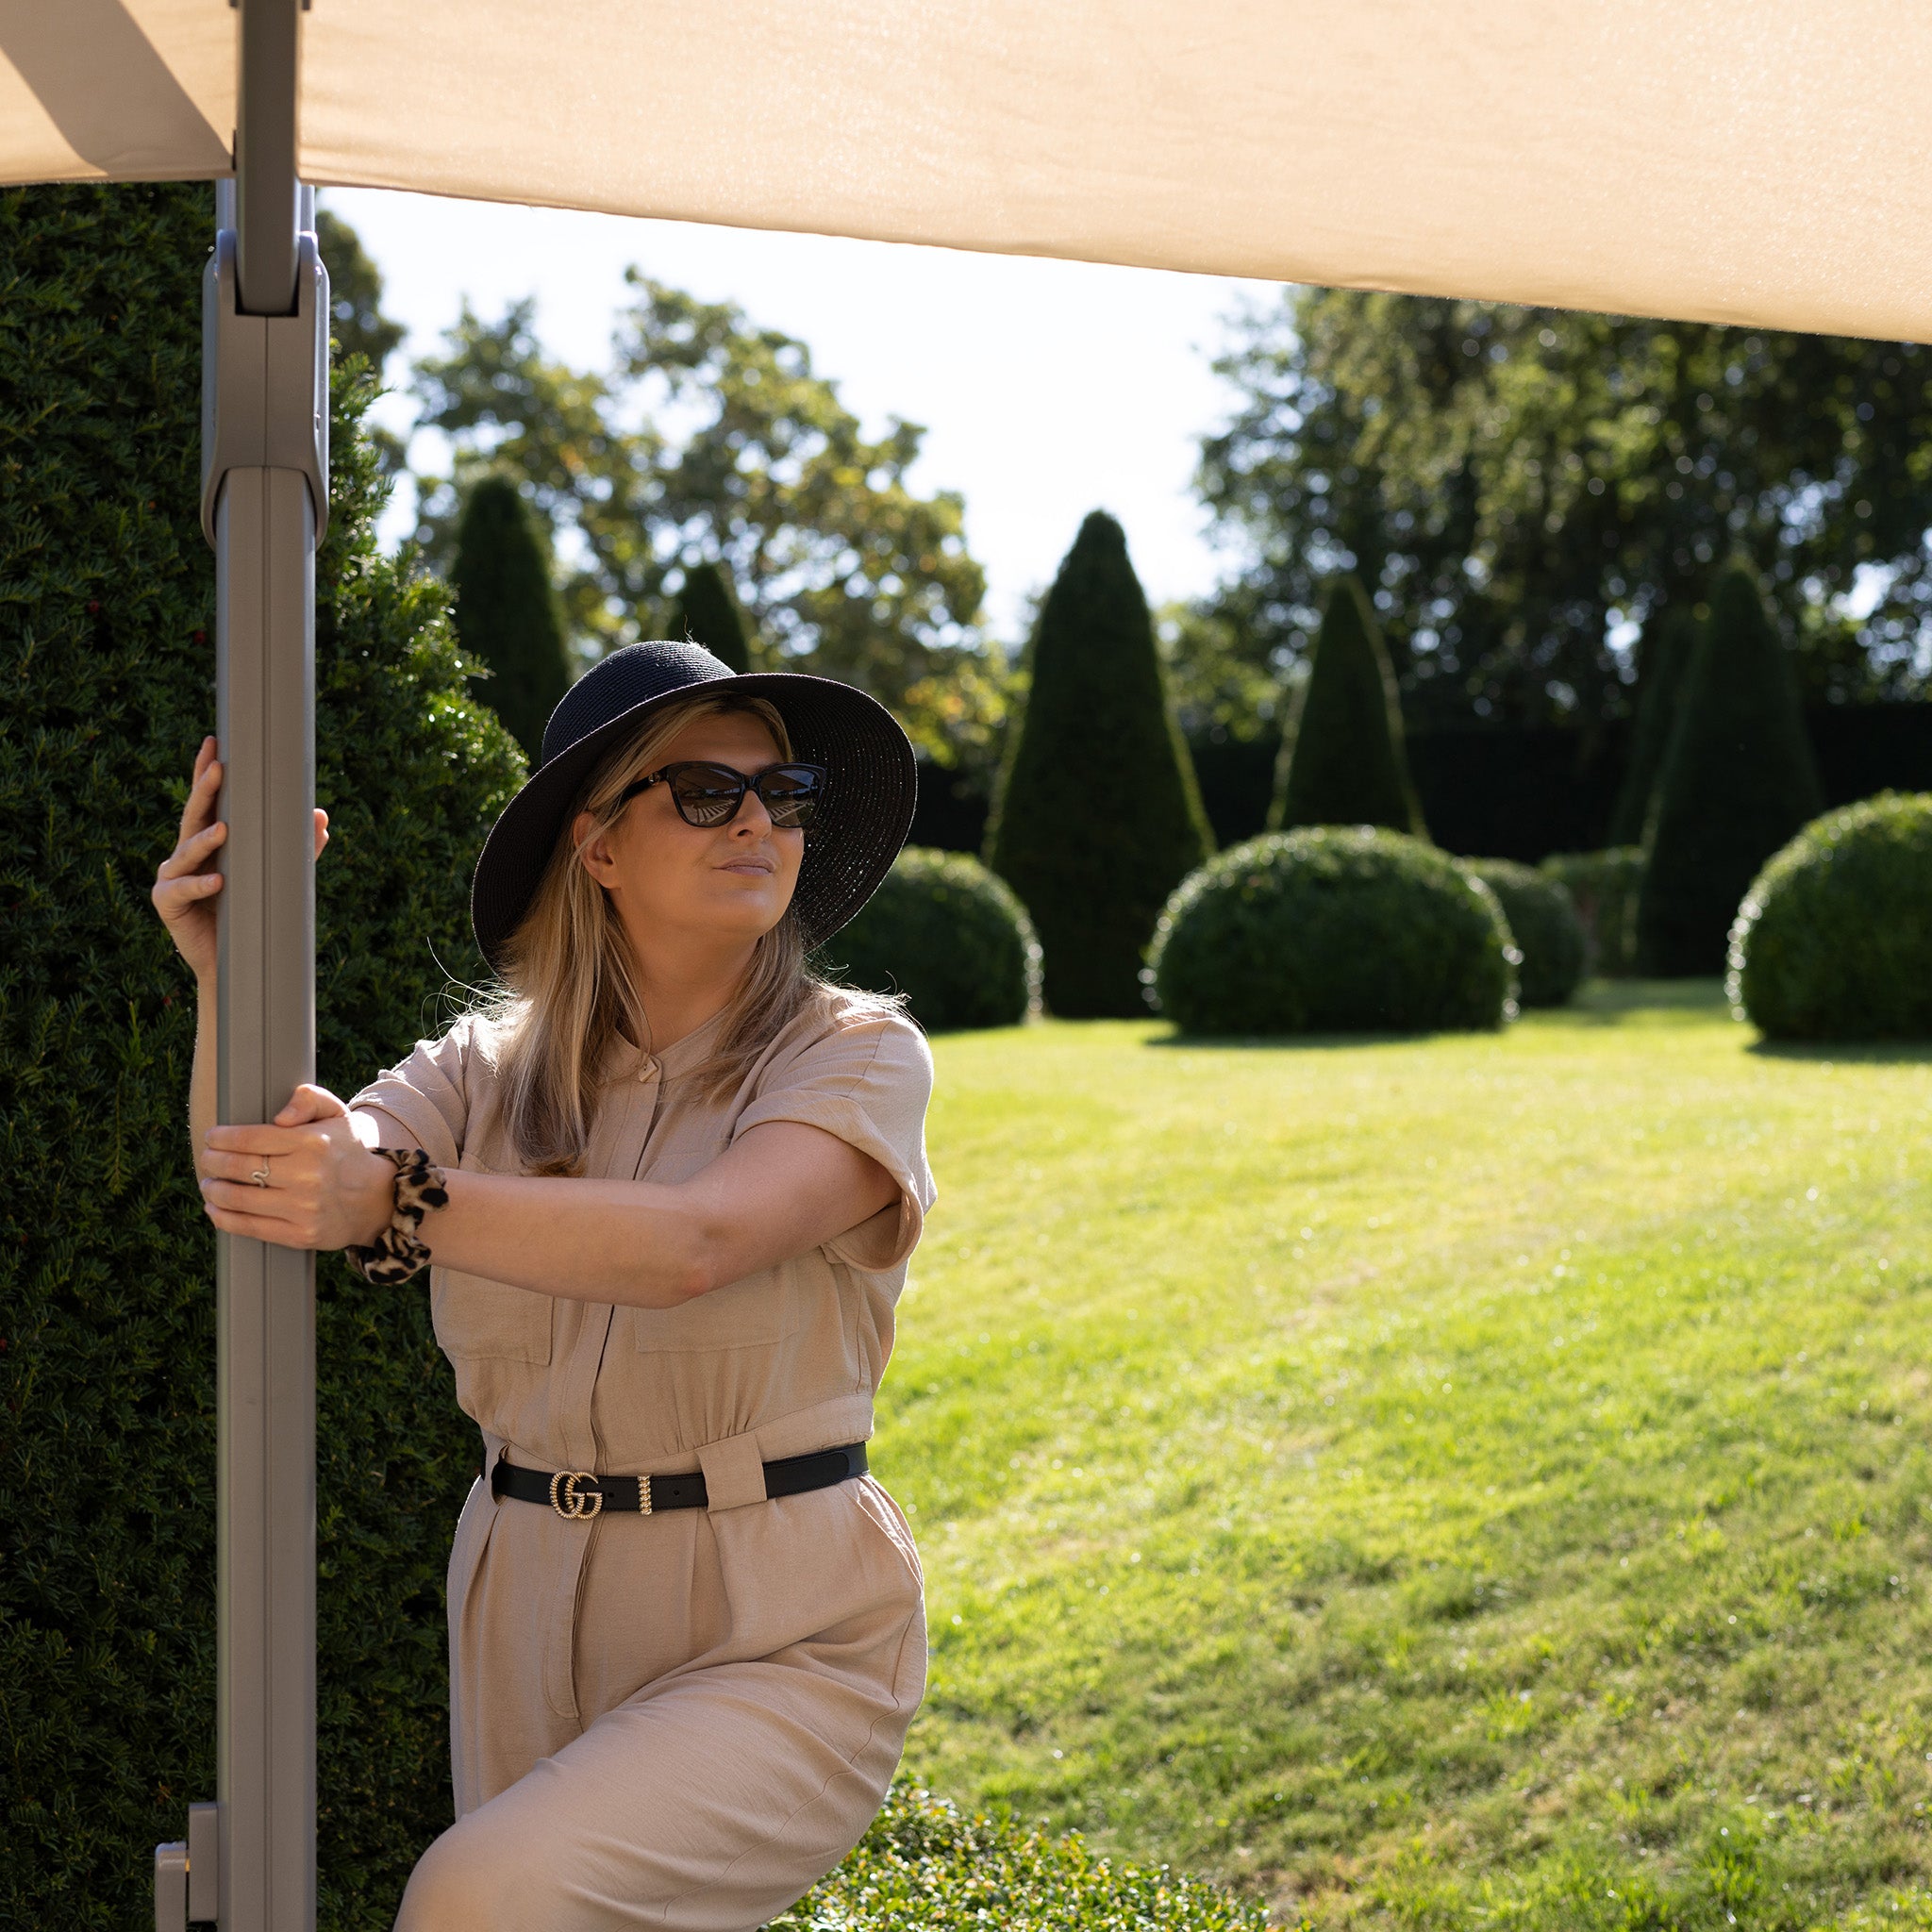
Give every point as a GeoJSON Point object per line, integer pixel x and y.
{"type": "Point", "coordinates": [93, 607]}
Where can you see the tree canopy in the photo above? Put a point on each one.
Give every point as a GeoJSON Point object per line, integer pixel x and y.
{"type": "Point", "coordinates": [1523, 489]}
{"type": "Point", "coordinates": [355, 294]}
{"type": "Point", "coordinates": [712, 440]}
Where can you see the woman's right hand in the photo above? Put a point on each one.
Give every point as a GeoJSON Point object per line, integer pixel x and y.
{"type": "Point", "coordinates": [187, 883]}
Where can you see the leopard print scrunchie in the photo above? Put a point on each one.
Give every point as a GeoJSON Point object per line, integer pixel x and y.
{"type": "Point", "coordinates": [398, 1251]}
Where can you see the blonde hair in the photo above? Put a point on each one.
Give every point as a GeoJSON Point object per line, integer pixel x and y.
{"type": "Point", "coordinates": [569, 976]}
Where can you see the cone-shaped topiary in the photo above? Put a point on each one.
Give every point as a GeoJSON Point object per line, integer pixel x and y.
{"type": "Point", "coordinates": [107, 1258]}
{"type": "Point", "coordinates": [1333, 929]}
{"type": "Point", "coordinates": [1667, 653]}
{"type": "Point", "coordinates": [507, 612]}
{"type": "Point", "coordinates": [1834, 938]}
{"type": "Point", "coordinates": [708, 613]}
{"type": "Point", "coordinates": [1341, 756]}
{"type": "Point", "coordinates": [949, 935]}
{"type": "Point", "coordinates": [1097, 818]}
{"type": "Point", "coordinates": [1737, 781]}
{"type": "Point", "coordinates": [1543, 923]}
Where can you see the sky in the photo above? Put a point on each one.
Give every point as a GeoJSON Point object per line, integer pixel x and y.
{"type": "Point", "coordinates": [1047, 387]}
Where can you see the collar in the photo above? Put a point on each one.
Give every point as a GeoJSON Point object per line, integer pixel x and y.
{"type": "Point", "coordinates": [624, 1059]}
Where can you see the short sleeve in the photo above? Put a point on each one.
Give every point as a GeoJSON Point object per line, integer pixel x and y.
{"type": "Point", "coordinates": [868, 1083]}
{"type": "Point", "coordinates": [428, 1093]}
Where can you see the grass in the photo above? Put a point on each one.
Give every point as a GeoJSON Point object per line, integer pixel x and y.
{"type": "Point", "coordinates": [1480, 1479]}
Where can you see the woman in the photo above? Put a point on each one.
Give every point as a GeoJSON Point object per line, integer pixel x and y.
{"type": "Point", "coordinates": [668, 1183]}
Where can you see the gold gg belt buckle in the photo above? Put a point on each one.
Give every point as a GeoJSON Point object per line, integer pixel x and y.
{"type": "Point", "coordinates": [570, 1501]}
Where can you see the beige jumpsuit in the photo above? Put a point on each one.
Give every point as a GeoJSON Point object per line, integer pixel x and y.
{"type": "Point", "coordinates": [686, 1719]}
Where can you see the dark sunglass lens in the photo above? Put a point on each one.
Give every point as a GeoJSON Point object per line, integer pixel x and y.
{"type": "Point", "coordinates": [790, 794]}
{"type": "Point", "coordinates": [707, 794]}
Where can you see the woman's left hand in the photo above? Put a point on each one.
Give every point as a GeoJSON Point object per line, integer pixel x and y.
{"type": "Point", "coordinates": [324, 1187]}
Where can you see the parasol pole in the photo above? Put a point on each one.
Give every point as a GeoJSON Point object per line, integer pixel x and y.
{"type": "Point", "coordinates": [249, 1859]}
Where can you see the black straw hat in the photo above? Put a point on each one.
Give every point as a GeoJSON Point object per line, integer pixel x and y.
{"type": "Point", "coordinates": [863, 816]}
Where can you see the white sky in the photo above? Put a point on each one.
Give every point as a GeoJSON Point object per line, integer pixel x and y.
{"type": "Point", "coordinates": [1047, 387]}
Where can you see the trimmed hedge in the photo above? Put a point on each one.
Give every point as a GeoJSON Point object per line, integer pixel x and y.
{"type": "Point", "coordinates": [1604, 888]}
{"type": "Point", "coordinates": [1341, 757]}
{"type": "Point", "coordinates": [1097, 818]}
{"type": "Point", "coordinates": [1333, 929]}
{"type": "Point", "coordinates": [1737, 781]}
{"type": "Point", "coordinates": [949, 935]}
{"type": "Point", "coordinates": [1667, 650]}
{"type": "Point", "coordinates": [1543, 923]}
{"type": "Point", "coordinates": [507, 612]}
{"type": "Point", "coordinates": [925, 1866]}
{"type": "Point", "coordinates": [707, 611]}
{"type": "Point", "coordinates": [1834, 940]}
{"type": "Point", "coordinates": [107, 1259]}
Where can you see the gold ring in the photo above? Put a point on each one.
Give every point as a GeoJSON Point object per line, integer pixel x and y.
{"type": "Point", "coordinates": [261, 1175]}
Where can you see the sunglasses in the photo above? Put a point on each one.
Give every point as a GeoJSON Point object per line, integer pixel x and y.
{"type": "Point", "coordinates": [709, 795]}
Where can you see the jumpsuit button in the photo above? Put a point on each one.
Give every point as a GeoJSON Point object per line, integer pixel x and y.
{"type": "Point", "coordinates": [647, 1068]}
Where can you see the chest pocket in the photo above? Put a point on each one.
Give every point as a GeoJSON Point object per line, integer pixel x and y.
{"type": "Point", "coordinates": [752, 1313]}
{"type": "Point", "coordinates": [479, 1320]}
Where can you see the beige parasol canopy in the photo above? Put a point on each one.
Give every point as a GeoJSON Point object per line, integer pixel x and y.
{"type": "Point", "coordinates": [1733, 161]}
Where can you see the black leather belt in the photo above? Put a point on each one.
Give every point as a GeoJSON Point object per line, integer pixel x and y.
{"type": "Point", "coordinates": [581, 1493]}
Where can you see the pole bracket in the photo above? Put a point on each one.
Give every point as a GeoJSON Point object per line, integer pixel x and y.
{"type": "Point", "coordinates": [266, 404]}
{"type": "Point", "coordinates": [188, 1873]}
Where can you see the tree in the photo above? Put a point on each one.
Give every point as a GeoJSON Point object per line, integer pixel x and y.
{"type": "Point", "coordinates": [712, 440]}
{"type": "Point", "coordinates": [107, 1258]}
{"type": "Point", "coordinates": [1097, 818]}
{"type": "Point", "coordinates": [1673, 638]}
{"type": "Point", "coordinates": [1520, 488]}
{"type": "Point", "coordinates": [1737, 782]}
{"type": "Point", "coordinates": [507, 612]}
{"type": "Point", "coordinates": [707, 611]}
{"type": "Point", "coordinates": [356, 322]}
{"type": "Point", "coordinates": [1341, 759]}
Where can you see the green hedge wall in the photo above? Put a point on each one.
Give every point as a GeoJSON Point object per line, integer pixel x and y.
{"type": "Point", "coordinates": [106, 1262]}
{"type": "Point", "coordinates": [1333, 929]}
{"type": "Point", "coordinates": [1834, 938]}
{"type": "Point", "coordinates": [948, 934]}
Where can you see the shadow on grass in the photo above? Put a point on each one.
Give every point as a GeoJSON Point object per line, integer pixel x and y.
{"type": "Point", "coordinates": [1290, 1043]}
{"type": "Point", "coordinates": [1600, 1003]}
{"type": "Point", "coordinates": [1864, 1053]}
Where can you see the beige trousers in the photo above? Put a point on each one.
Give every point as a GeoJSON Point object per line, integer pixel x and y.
{"type": "Point", "coordinates": [682, 1720]}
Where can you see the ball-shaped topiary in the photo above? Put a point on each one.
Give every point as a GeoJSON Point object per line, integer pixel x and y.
{"type": "Point", "coordinates": [951, 936]}
{"type": "Point", "coordinates": [1834, 938]}
{"type": "Point", "coordinates": [1333, 929]}
{"type": "Point", "coordinates": [1543, 923]}
{"type": "Point", "coordinates": [1603, 887]}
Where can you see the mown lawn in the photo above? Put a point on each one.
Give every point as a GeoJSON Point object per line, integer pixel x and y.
{"type": "Point", "coordinates": [1474, 1480]}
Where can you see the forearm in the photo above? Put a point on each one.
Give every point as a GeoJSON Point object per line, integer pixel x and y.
{"type": "Point", "coordinates": [635, 1243]}
{"type": "Point", "coordinates": [201, 1077]}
